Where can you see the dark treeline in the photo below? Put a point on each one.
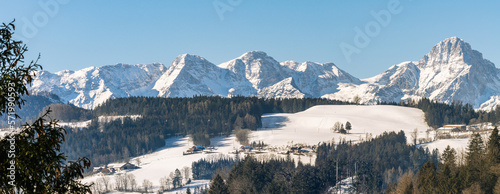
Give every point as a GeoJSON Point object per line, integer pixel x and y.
{"type": "Point", "coordinates": [374, 163]}
{"type": "Point", "coordinates": [438, 114]}
{"type": "Point", "coordinates": [167, 117]}
{"type": "Point", "coordinates": [68, 112]}
{"type": "Point", "coordinates": [477, 172]}
{"type": "Point", "coordinates": [205, 168]}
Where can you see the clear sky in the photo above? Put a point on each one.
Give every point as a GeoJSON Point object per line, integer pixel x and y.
{"type": "Point", "coordinates": [71, 34]}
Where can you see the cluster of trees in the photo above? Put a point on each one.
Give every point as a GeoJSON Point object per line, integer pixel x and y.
{"type": "Point", "coordinates": [339, 127]}
{"type": "Point", "coordinates": [206, 168]}
{"type": "Point", "coordinates": [477, 172]}
{"type": "Point", "coordinates": [375, 164]}
{"type": "Point", "coordinates": [68, 113]}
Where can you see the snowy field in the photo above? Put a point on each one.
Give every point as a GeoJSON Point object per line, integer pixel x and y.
{"type": "Point", "coordinates": [458, 144]}
{"type": "Point", "coordinates": [314, 125]}
{"type": "Point", "coordinates": [279, 130]}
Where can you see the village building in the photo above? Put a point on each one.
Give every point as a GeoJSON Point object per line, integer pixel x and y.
{"type": "Point", "coordinates": [452, 128]}
{"type": "Point", "coordinates": [245, 148]}
{"type": "Point", "coordinates": [128, 166]}
{"type": "Point", "coordinates": [103, 170]}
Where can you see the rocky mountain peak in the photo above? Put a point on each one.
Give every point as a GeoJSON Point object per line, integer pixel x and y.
{"type": "Point", "coordinates": [452, 50]}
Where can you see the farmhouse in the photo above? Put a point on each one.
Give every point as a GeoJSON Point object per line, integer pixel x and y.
{"type": "Point", "coordinates": [127, 166]}
{"type": "Point", "coordinates": [104, 170]}
{"type": "Point", "coordinates": [245, 148]}
{"type": "Point", "coordinates": [452, 128]}
{"type": "Point", "coordinates": [192, 150]}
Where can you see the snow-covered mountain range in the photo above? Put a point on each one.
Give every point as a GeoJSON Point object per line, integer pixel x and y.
{"type": "Point", "coordinates": [451, 71]}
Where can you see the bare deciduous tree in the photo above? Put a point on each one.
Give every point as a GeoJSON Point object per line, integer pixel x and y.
{"type": "Point", "coordinates": [414, 136]}
{"type": "Point", "coordinates": [242, 136]}
{"type": "Point", "coordinates": [104, 181]}
{"type": "Point", "coordinates": [187, 173]}
{"type": "Point", "coordinates": [165, 183]}
{"type": "Point", "coordinates": [130, 178]}
{"type": "Point", "coordinates": [147, 185]}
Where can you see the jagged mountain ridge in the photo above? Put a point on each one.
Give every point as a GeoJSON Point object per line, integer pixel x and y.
{"type": "Point", "coordinates": [92, 86]}
{"type": "Point", "coordinates": [451, 71]}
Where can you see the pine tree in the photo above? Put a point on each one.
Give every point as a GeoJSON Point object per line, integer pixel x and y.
{"type": "Point", "coordinates": [218, 186]}
{"type": "Point", "coordinates": [449, 157]}
{"type": "Point", "coordinates": [475, 159]}
{"type": "Point", "coordinates": [348, 126]}
{"type": "Point", "coordinates": [426, 181]}
{"type": "Point", "coordinates": [493, 147]}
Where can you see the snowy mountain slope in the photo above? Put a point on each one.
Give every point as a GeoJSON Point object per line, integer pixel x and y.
{"type": "Point", "coordinates": [451, 71]}
{"type": "Point", "coordinates": [191, 75]}
{"type": "Point", "coordinates": [316, 79]}
{"type": "Point", "coordinates": [282, 89]}
{"type": "Point", "coordinates": [92, 86]}
{"type": "Point", "coordinates": [260, 69]}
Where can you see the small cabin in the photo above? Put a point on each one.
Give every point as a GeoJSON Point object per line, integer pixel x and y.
{"type": "Point", "coordinates": [128, 166]}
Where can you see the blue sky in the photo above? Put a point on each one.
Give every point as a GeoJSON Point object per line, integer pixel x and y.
{"type": "Point", "coordinates": [72, 34]}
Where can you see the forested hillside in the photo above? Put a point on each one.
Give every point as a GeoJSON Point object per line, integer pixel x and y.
{"type": "Point", "coordinates": [167, 117]}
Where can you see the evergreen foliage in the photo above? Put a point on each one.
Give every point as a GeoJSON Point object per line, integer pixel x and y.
{"type": "Point", "coordinates": [206, 169]}
{"type": "Point", "coordinates": [31, 159]}
{"type": "Point", "coordinates": [218, 186]}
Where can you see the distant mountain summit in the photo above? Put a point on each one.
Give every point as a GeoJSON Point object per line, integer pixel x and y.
{"type": "Point", "coordinates": [92, 86]}
{"type": "Point", "coordinates": [451, 71]}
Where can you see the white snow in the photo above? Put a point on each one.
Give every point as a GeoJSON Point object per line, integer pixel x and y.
{"type": "Point", "coordinates": [79, 124]}
{"type": "Point", "coordinates": [101, 119]}
{"type": "Point", "coordinates": [458, 144]}
{"type": "Point", "coordinates": [314, 125]}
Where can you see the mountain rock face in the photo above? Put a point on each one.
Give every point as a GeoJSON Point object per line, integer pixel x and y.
{"type": "Point", "coordinates": [92, 86]}
{"type": "Point", "coordinates": [451, 71]}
